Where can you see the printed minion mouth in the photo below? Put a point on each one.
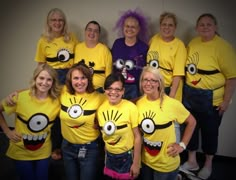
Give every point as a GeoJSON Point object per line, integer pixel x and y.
{"type": "Point", "coordinates": [196, 82]}
{"type": "Point", "coordinates": [130, 78]}
{"type": "Point", "coordinates": [34, 142]}
{"type": "Point", "coordinates": [153, 148]}
{"type": "Point", "coordinates": [114, 142]}
{"type": "Point", "coordinates": [77, 126]}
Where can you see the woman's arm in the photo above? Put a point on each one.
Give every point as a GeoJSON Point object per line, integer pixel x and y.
{"type": "Point", "coordinates": [135, 168]}
{"type": "Point", "coordinates": [230, 86]}
{"type": "Point", "coordinates": [11, 134]}
{"type": "Point", "coordinates": [174, 149]}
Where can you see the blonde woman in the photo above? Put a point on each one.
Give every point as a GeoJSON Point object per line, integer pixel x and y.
{"type": "Point", "coordinates": [36, 109]}
{"type": "Point", "coordinates": [157, 114]}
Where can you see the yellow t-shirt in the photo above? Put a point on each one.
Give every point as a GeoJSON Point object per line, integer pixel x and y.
{"type": "Point", "coordinates": [117, 123]}
{"type": "Point", "coordinates": [98, 59]}
{"type": "Point", "coordinates": [57, 53]}
{"type": "Point", "coordinates": [34, 119]}
{"type": "Point", "coordinates": [158, 131]}
{"type": "Point", "coordinates": [77, 116]}
{"type": "Point", "coordinates": [169, 57]}
{"type": "Point", "coordinates": [205, 58]}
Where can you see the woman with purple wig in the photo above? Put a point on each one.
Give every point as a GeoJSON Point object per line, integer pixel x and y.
{"type": "Point", "coordinates": [129, 51]}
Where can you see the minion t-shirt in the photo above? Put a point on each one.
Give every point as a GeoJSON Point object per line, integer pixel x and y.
{"type": "Point", "coordinates": [209, 64]}
{"type": "Point", "coordinates": [169, 57]}
{"type": "Point", "coordinates": [34, 119]}
{"type": "Point", "coordinates": [77, 116]}
{"type": "Point", "coordinates": [57, 53]}
{"type": "Point", "coordinates": [98, 59]}
{"type": "Point", "coordinates": [158, 130]}
{"type": "Point", "coordinates": [117, 123]}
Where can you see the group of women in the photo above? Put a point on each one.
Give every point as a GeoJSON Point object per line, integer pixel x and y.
{"type": "Point", "coordinates": [129, 98]}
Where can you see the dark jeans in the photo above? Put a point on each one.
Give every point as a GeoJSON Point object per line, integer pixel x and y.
{"type": "Point", "coordinates": [61, 74]}
{"type": "Point", "coordinates": [151, 174]}
{"type": "Point", "coordinates": [81, 161]}
{"type": "Point", "coordinates": [33, 170]}
{"type": "Point", "coordinates": [131, 91]}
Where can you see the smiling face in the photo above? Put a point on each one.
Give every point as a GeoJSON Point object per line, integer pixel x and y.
{"type": "Point", "coordinates": [43, 82]}
{"type": "Point", "coordinates": [92, 33]}
{"type": "Point", "coordinates": [56, 23]}
{"type": "Point", "coordinates": [79, 81]}
{"type": "Point", "coordinates": [206, 28]}
{"type": "Point", "coordinates": [150, 84]}
{"type": "Point", "coordinates": [167, 29]}
{"type": "Point", "coordinates": [131, 28]}
{"type": "Point", "coordinates": [115, 92]}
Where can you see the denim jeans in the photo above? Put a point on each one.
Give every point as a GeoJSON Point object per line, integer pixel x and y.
{"type": "Point", "coordinates": [118, 166]}
{"type": "Point", "coordinates": [151, 174]}
{"type": "Point", "coordinates": [131, 91]}
{"type": "Point", "coordinates": [61, 73]}
{"type": "Point", "coordinates": [35, 169]}
{"type": "Point", "coordinates": [81, 161]}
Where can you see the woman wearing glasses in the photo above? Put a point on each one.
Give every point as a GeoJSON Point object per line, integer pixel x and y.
{"type": "Point", "coordinates": [94, 54]}
{"type": "Point", "coordinates": [157, 114]}
{"type": "Point", "coordinates": [118, 121]}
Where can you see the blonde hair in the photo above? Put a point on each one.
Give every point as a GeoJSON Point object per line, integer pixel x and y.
{"type": "Point", "coordinates": [168, 15]}
{"type": "Point", "coordinates": [48, 31]}
{"type": "Point", "coordinates": [55, 90]}
{"type": "Point", "coordinates": [158, 75]}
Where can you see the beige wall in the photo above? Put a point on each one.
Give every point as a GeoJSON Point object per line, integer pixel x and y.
{"type": "Point", "coordinates": [22, 23]}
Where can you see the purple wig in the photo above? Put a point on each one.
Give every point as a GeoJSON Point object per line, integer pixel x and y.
{"type": "Point", "coordinates": [143, 23]}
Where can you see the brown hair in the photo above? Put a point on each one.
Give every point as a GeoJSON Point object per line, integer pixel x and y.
{"type": "Point", "coordinates": [86, 72]}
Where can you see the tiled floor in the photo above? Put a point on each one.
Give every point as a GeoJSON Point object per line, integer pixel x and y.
{"type": "Point", "coordinates": [223, 167]}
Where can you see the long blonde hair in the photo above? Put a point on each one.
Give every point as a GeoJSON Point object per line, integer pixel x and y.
{"type": "Point", "coordinates": [158, 75]}
{"type": "Point", "coordinates": [55, 90]}
{"type": "Point", "coordinates": [48, 31]}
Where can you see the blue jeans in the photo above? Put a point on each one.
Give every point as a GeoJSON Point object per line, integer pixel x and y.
{"type": "Point", "coordinates": [131, 91]}
{"type": "Point", "coordinates": [81, 161]}
{"type": "Point", "coordinates": [151, 174]}
{"type": "Point", "coordinates": [35, 169]}
{"type": "Point", "coordinates": [118, 166]}
{"type": "Point", "coordinates": [61, 73]}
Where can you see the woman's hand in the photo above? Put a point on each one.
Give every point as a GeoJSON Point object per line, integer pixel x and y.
{"type": "Point", "coordinates": [174, 149]}
{"type": "Point", "coordinates": [10, 99]}
{"type": "Point", "coordinates": [13, 136]}
{"type": "Point", "coordinates": [134, 171]}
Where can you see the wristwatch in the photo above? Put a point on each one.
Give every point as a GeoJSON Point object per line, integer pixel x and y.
{"type": "Point", "coordinates": [182, 145]}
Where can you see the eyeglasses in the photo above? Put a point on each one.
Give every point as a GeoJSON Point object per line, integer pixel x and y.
{"type": "Point", "coordinates": [57, 20]}
{"type": "Point", "coordinates": [151, 81]}
{"type": "Point", "coordinates": [96, 31]}
{"type": "Point", "coordinates": [117, 90]}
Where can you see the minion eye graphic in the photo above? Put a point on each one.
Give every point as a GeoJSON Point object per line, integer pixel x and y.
{"type": "Point", "coordinates": [109, 128]}
{"type": "Point", "coordinates": [36, 122]}
{"type": "Point", "coordinates": [154, 63]}
{"type": "Point", "coordinates": [129, 65]}
{"type": "Point", "coordinates": [192, 69]}
{"type": "Point", "coordinates": [63, 55]}
{"type": "Point", "coordinates": [119, 63]}
{"type": "Point", "coordinates": [75, 111]}
{"type": "Point", "coordinates": [148, 126]}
